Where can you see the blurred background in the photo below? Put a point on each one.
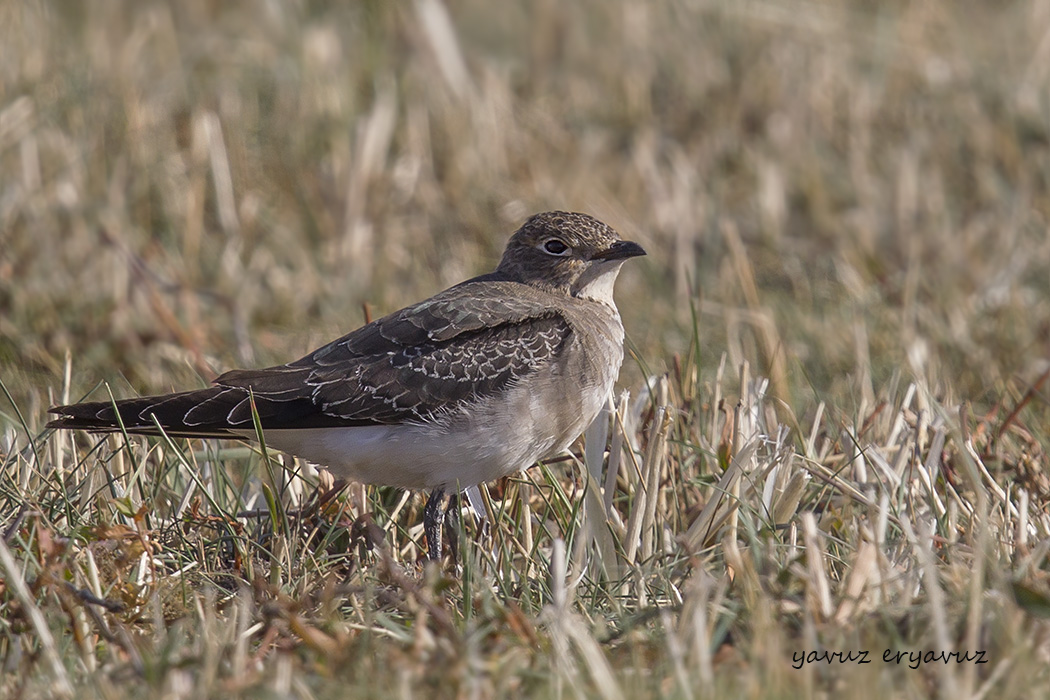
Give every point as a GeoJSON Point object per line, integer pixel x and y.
{"type": "Point", "coordinates": [844, 194]}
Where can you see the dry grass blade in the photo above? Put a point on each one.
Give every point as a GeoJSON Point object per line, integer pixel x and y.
{"type": "Point", "coordinates": [13, 578]}
{"type": "Point", "coordinates": [837, 432]}
{"type": "Point", "coordinates": [819, 591]}
{"type": "Point", "coordinates": [704, 529]}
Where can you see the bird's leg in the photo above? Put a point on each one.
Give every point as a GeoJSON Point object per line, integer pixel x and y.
{"type": "Point", "coordinates": [441, 513]}
{"type": "Point", "coordinates": [452, 526]}
{"type": "Point", "coordinates": [433, 521]}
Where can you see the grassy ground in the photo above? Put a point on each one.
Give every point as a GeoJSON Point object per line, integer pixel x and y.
{"type": "Point", "coordinates": [836, 434]}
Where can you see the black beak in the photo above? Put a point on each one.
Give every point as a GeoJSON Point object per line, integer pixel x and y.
{"type": "Point", "coordinates": [620, 250]}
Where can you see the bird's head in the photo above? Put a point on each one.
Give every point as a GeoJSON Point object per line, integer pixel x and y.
{"type": "Point", "coordinates": [567, 252]}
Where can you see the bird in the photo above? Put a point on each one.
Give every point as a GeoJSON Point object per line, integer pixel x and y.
{"type": "Point", "coordinates": [478, 382]}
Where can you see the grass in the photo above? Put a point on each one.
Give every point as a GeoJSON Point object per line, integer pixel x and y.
{"type": "Point", "coordinates": [835, 437]}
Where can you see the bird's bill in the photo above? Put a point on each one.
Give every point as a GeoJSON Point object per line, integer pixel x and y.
{"type": "Point", "coordinates": [620, 250]}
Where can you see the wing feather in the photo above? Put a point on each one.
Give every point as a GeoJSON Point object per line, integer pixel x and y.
{"type": "Point", "coordinates": [421, 361]}
{"type": "Point", "coordinates": [462, 345]}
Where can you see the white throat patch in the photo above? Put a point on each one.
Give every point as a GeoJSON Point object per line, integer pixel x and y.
{"type": "Point", "coordinates": [596, 283]}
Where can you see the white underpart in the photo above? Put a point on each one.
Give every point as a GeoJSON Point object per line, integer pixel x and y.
{"type": "Point", "coordinates": [409, 456]}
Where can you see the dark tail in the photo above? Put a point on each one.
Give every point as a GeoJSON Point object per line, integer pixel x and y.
{"type": "Point", "coordinates": [206, 413]}
{"type": "Point", "coordinates": [203, 413]}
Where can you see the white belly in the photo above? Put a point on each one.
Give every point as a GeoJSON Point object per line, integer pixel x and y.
{"type": "Point", "coordinates": [408, 456]}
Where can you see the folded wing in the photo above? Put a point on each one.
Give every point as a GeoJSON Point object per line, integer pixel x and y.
{"type": "Point", "coordinates": [463, 345]}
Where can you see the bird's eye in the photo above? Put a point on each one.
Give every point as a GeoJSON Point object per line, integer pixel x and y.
{"type": "Point", "coordinates": [555, 247]}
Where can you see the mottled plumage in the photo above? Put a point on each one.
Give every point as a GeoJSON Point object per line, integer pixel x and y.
{"type": "Point", "coordinates": [477, 382]}
{"type": "Point", "coordinates": [410, 366]}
